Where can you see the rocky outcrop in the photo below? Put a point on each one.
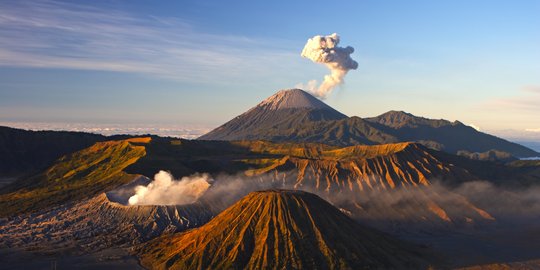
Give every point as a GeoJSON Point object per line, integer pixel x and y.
{"type": "Point", "coordinates": [389, 183]}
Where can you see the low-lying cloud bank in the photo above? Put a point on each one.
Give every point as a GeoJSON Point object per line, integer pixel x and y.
{"type": "Point", "coordinates": [503, 202]}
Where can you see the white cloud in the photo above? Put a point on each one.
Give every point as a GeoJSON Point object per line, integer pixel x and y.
{"type": "Point", "coordinates": [164, 130]}
{"type": "Point", "coordinates": [532, 129]}
{"type": "Point", "coordinates": [50, 34]}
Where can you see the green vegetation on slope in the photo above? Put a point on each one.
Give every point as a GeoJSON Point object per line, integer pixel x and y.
{"type": "Point", "coordinates": [76, 176]}
{"type": "Point", "coordinates": [185, 157]}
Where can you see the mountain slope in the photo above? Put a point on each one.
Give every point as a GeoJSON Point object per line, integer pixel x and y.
{"type": "Point", "coordinates": [281, 230]}
{"type": "Point", "coordinates": [284, 110]}
{"type": "Point", "coordinates": [452, 136]}
{"type": "Point", "coordinates": [296, 116]}
{"type": "Point", "coordinates": [76, 176]}
{"type": "Point", "coordinates": [346, 176]}
{"type": "Point", "coordinates": [351, 173]}
{"type": "Point", "coordinates": [393, 182]}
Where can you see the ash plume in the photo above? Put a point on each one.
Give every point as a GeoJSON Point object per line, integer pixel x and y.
{"type": "Point", "coordinates": [165, 190]}
{"type": "Point", "coordinates": [325, 50]}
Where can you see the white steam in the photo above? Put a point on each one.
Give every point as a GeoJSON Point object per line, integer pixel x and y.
{"type": "Point", "coordinates": [325, 50]}
{"type": "Point", "coordinates": [165, 190]}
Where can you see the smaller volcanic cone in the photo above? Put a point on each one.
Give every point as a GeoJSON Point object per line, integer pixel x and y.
{"type": "Point", "coordinates": [280, 229]}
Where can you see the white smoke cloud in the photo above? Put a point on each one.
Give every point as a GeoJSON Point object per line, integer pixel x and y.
{"type": "Point", "coordinates": [165, 190]}
{"type": "Point", "coordinates": [325, 50]}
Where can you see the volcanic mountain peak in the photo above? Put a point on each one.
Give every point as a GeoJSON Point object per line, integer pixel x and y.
{"type": "Point", "coordinates": [281, 229]}
{"type": "Point", "coordinates": [296, 116]}
{"type": "Point", "coordinates": [279, 113]}
{"type": "Point", "coordinates": [293, 99]}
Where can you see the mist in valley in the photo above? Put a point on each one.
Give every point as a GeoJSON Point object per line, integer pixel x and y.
{"type": "Point", "coordinates": [469, 202]}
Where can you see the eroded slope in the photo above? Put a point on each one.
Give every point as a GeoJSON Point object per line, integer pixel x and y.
{"type": "Point", "coordinates": [281, 230]}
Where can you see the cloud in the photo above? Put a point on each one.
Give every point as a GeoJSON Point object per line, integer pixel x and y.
{"type": "Point", "coordinates": [526, 100]}
{"type": "Point", "coordinates": [532, 129]}
{"type": "Point", "coordinates": [76, 36]}
{"type": "Point", "coordinates": [532, 89]}
{"type": "Point", "coordinates": [107, 129]}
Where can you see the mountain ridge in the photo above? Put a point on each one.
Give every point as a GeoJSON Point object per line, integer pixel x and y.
{"type": "Point", "coordinates": [314, 121]}
{"type": "Point", "coordinates": [285, 109]}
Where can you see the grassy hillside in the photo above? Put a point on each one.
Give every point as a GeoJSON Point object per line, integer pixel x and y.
{"type": "Point", "coordinates": [76, 176]}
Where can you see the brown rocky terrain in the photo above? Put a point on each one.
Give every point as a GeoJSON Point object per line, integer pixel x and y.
{"type": "Point", "coordinates": [280, 229]}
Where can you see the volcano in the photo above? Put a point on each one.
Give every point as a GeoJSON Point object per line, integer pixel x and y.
{"type": "Point", "coordinates": [296, 116]}
{"type": "Point", "coordinates": [282, 111]}
{"type": "Point", "coordinates": [281, 229]}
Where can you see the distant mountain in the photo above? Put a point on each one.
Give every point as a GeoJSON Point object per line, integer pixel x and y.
{"type": "Point", "coordinates": [451, 136]}
{"type": "Point", "coordinates": [296, 116]}
{"type": "Point", "coordinates": [280, 229]}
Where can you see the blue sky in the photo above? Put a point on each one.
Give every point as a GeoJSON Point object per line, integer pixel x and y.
{"type": "Point", "coordinates": [204, 62]}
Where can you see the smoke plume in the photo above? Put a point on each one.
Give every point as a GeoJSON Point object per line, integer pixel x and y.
{"type": "Point", "coordinates": [325, 50]}
{"type": "Point", "coordinates": [165, 190]}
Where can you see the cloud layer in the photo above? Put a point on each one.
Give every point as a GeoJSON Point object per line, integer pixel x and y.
{"type": "Point", "coordinates": [76, 36]}
{"type": "Point", "coordinates": [107, 129]}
